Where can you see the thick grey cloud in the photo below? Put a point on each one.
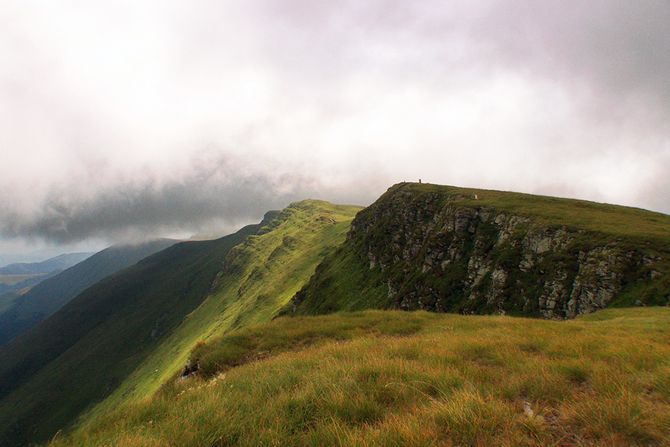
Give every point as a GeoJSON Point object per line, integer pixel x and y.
{"type": "Point", "coordinates": [212, 197]}
{"type": "Point", "coordinates": [122, 118]}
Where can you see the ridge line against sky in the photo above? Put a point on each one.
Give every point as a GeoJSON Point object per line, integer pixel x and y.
{"type": "Point", "coordinates": [124, 120]}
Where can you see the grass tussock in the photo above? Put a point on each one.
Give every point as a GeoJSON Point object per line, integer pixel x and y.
{"type": "Point", "coordinates": [414, 379]}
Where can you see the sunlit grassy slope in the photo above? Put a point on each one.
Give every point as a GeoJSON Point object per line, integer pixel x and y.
{"type": "Point", "coordinates": [414, 379]}
{"type": "Point", "coordinates": [119, 340]}
{"type": "Point", "coordinates": [260, 277]}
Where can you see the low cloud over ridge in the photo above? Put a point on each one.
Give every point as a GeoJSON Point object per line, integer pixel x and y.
{"type": "Point", "coordinates": [219, 195]}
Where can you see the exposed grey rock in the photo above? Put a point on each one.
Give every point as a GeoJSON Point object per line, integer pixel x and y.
{"type": "Point", "coordinates": [391, 290]}
{"type": "Point", "coordinates": [491, 261]}
{"type": "Point", "coordinates": [372, 259]}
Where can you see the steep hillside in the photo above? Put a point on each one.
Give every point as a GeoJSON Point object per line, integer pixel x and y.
{"type": "Point", "coordinates": [12, 283]}
{"type": "Point", "coordinates": [51, 294]}
{"type": "Point", "coordinates": [384, 378]}
{"type": "Point", "coordinates": [451, 249]}
{"type": "Point", "coordinates": [120, 338]}
{"type": "Point", "coordinates": [258, 278]}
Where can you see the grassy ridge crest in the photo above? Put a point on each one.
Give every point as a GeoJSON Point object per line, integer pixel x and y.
{"type": "Point", "coordinates": [257, 279]}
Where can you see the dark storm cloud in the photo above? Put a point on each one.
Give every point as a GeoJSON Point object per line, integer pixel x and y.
{"type": "Point", "coordinates": [218, 194]}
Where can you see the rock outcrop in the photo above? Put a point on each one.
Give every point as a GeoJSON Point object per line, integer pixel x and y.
{"type": "Point", "coordinates": [448, 254]}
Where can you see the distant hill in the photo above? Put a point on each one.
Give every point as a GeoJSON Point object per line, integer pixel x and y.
{"type": "Point", "coordinates": [7, 299]}
{"type": "Point", "coordinates": [60, 262]}
{"type": "Point", "coordinates": [22, 283]}
{"type": "Point", "coordinates": [19, 277]}
{"type": "Point", "coordinates": [42, 300]}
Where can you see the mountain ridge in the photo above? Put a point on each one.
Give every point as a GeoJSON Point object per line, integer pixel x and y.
{"type": "Point", "coordinates": [100, 348]}
{"type": "Point", "coordinates": [257, 278]}
{"type": "Point", "coordinates": [78, 355]}
{"type": "Point", "coordinates": [442, 248]}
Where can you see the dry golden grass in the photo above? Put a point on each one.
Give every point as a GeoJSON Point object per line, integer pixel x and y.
{"type": "Point", "coordinates": [415, 379]}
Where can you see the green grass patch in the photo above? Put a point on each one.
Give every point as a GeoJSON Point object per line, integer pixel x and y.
{"type": "Point", "coordinates": [354, 379]}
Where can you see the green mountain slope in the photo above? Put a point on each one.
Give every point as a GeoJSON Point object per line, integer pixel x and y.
{"type": "Point", "coordinates": [386, 378]}
{"type": "Point", "coordinates": [259, 278]}
{"type": "Point", "coordinates": [443, 248]}
{"type": "Point", "coordinates": [122, 337]}
{"type": "Point", "coordinates": [47, 297]}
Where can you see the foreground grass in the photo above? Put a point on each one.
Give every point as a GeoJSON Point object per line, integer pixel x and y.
{"type": "Point", "coordinates": [392, 378]}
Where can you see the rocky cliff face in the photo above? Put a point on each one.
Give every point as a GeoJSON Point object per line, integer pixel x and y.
{"type": "Point", "coordinates": [448, 255]}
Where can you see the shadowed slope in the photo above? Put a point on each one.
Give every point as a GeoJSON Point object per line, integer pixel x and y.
{"type": "Point", "coordinates": [51, 294]}
{"type": "Point", "coordinates": [259, 277]}
{"type": "Point", "coordinates": [60, 262]}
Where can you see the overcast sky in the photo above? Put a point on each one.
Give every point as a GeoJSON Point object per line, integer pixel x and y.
{"type": "Point", "coordinates": [127, 119]}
